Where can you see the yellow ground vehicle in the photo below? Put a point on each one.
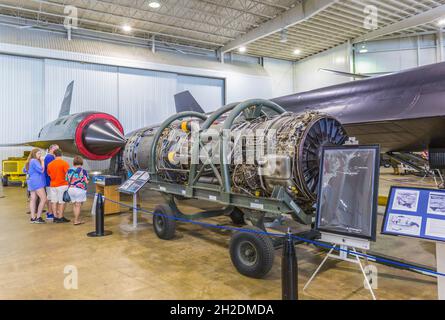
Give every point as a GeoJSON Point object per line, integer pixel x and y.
{"type": "Point", "coordinates": [12, 170]}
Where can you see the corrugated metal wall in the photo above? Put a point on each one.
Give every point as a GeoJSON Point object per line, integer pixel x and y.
{"type": "Point", "coordinates": [145, 97]}
{"type": "Point", "coordinates": [206, 91]}
{"type": "Point", "coordinates": [32, 90]}
{"type": "Point", "coordinates": [95, 87]}
{"type": "Point", "coordinates": [21, 103]}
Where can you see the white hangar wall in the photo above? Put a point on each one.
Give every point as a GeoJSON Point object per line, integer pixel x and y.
{"type": "Point", "coordinates": [308, 75]}
{"type": "Point", "coordinates": [370, 58]}
{"type": "Point", "coordinates": [393, 55]}
{"type": "Point", "coordinates": [133, 84]}
{"type": "Point", "coordinates": [21, 103]}
{"type": "Point", "coordinates": [32, 90]}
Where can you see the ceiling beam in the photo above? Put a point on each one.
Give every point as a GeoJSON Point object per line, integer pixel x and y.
{"type": "Point", "coordinates": [109, 25]}
{"type": "Point", "coordinates": [414, 21]}
{"type": "Point", "coordinates": [297, 14]}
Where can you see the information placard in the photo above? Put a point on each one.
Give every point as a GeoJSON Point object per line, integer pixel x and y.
{"type": "Point", "coordinates": [415, 212]}
{"type": "Point", "coordinates": [135, 183]}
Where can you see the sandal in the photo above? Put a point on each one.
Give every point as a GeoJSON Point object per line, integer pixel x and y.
{"type": "Point", "coordinates": [79, 223]}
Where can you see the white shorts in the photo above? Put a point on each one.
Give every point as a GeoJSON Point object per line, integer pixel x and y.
{"type": "Point", "coordinates": [77, 194]}
{"type": "Point", "coordinates": [48, 193]}
{"type": "Point", "coordinates": [56, 194]}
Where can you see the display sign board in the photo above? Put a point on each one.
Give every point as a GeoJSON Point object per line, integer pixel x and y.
{"type": "Point", "coordinates": [135, 183]}
{"type": "Point", "coordinates": [348, 191]}
{"type": "Point", "coordinates": [415, 212]}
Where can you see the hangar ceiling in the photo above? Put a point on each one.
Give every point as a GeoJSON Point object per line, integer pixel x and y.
{"type": "Point", "coordinates": [310, 26]}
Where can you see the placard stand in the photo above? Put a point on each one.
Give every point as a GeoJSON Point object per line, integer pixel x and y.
{"type": "Point", "coordinates": [133, 186]}
{"type": "Point", "coordinates": [419, 213]}
{"type": "Point", "coordinates": [135, 210]}
{"type": "Point", "coordinates": [135, 226]}
{"type": "Point", "coordinates": [347, 246]}
{"type": "Point", "coordinates": [440, 261]}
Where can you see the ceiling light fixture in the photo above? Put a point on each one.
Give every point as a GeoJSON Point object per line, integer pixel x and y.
{"type": "Point", "coordinates": [126, 28]}
{"type": "Point", "coordinates": [154, 4]}
{"type": "Point", "coordinates": [242, 49]}
{"type": "Point", "coordinates": [363, 49]}
{"type": "Point", "coordinates": [297, 51]}
{"type": "Point", "coordinates": [441, 22]}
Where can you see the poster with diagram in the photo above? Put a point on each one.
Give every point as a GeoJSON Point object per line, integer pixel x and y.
{"type": "Point", "coordinates": [415, 212]}
{"type": "Point", "coordinates": [404, 224]}
{"type": "Point", "coordinates": [436, 203]}
{"type": "Point", "coordinates": [406, 200]}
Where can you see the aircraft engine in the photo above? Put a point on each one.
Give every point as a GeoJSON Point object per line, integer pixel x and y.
{"type": "Point", "coordinates": [265, 151]}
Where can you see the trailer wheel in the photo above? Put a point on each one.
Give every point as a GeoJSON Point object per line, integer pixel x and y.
{"type": "Point", "coordinates": [163, 224]}
{"type": "Point", "coordinates": [5, 181]}
{"type": "Point", "coordinates": [252, 254]}
{"type": "Point", "coordinates": [237, 217]}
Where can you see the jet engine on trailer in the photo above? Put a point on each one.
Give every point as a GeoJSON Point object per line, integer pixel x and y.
{"type": "Point", "coordinates": [254, 159]}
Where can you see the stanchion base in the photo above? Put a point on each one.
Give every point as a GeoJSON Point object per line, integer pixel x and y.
{"type": "Point", "coordinates": [131, 228]}
{"type": "Point", "coordinates": [93, 234]}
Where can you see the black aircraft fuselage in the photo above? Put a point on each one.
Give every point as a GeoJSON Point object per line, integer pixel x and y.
{"type": "Point", "coordinates": [404, 111]}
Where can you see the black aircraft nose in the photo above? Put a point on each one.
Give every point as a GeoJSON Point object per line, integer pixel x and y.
{"type": "Point", "coordinates": [102, 137]}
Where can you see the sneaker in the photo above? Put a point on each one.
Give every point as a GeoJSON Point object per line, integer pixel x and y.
{"type": "Point", "coordinates": [49, 216]}
{"type": "Point", "coordinates": [63, 219]}
{"type": "Point", "coordinates": [32, 220]}
{"type": "Point", "coordinates": [39, 220]}
{"type": "Point", "coordinates": [56, 220]}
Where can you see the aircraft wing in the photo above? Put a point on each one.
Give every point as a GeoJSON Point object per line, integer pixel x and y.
{"type": "Point", "coordinates": [44, 144]}
{"type": "Point", "coordinates": [14, 145]}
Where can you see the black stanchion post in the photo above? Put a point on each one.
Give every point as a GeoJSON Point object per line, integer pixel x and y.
{"type": "Point", "coordinates": [100, 215]}
{"type": "Point", "coordinates": [289, 270]}
{"type": "Point", "coordinates": [100, 228]}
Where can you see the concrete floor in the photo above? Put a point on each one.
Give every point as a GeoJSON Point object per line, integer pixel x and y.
{"type": "Point", "coordinates": [195, 265]}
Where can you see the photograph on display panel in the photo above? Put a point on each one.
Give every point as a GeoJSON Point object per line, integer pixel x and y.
{"type": "Point", "coordinates": [347, 192]}
{"type": "Point", "coordinates": [436, 203]}
{"type": "Point", "coordinates": [426, 222]}
{"type": "Point", "coordinates": [404, 224]}
{"type": "Point", "coordinates": [406, 200]}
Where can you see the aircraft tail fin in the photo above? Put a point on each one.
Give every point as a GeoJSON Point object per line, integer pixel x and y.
{"type": "Point", "coordinates": [184, 101]}
{"type": "Point", "coordinates": [66, 103]}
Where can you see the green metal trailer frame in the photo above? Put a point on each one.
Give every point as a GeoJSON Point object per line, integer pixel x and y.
{"type": "Point", "coordinates": [251, 252]}
{"type": "Point", "coordinates": [280, 201]}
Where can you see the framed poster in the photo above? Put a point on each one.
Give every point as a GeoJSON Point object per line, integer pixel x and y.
{"type": "Point", "coordinates": [348, 191]}
{"type": "Point", "coordinates": [415, 212]}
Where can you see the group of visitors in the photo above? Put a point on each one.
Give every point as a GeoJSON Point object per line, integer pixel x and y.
{"type": "Point", "coordinates": [49, 178]}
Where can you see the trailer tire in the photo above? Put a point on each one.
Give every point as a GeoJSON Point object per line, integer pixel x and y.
{"type": "Point", "coordinates": [237, 217]}
{"type": "Point", "coordinates": [5, 181]}
{"type": "Point", "coordinates": [252, 254]}
{"type": "Point", "coordinates": [163, 223]}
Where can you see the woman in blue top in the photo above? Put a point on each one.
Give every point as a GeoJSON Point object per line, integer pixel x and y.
{"type": "Point", "coordinates": [36, 184]}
